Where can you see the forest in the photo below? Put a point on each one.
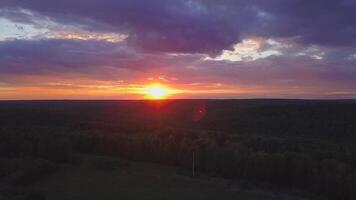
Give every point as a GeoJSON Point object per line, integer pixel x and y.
{"type": "Point", "coordinates": [307, 146]}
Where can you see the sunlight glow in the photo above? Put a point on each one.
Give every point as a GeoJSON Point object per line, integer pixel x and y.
{"type": "Point", "coordinates": [157, 91]}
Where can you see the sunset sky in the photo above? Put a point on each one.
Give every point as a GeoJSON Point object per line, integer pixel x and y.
{"type": "Point", "coordinates": [116, 49]}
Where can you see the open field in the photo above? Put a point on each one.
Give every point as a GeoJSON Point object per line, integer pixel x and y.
{"type": "Point", "coordinates": [136, 180]}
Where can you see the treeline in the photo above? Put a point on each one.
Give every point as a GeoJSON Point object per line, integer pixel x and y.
{"type": "Point", "coordinates": [323, 168]}
{"type": "Point", "coordinates": [285, 163]}
{"type": "Point", "coordinates": [29, 156]}
{"type": "Point", "coordinates": [309, 118]}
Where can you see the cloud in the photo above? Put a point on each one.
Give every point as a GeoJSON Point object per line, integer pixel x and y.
{"type": "Point", "coordinates": [249, 50]}
{"type": "Point", "coordinates": [29, 26]}
{"type": "Point", "coordinates": [27, 62]}
{"type": "Point", "coordinates": [43, 56]}
{"type": "Point", "coordinates": [207, 26]}
{"type": "Point", "coordinates": [321, 22]}
{"type": "Point", "coordinates": [258, 44]}
{"type": "Point", "coordinates": [177, 26]}
{"type": "Point", "coordinates": [96, 58]}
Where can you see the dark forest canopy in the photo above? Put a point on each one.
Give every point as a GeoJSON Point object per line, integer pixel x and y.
{"type": "Point", "coordinates": [307, 145]}
{"type": "Point", "coordinates": [297, 117]}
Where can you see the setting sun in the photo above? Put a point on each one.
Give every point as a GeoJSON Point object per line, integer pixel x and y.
{"type": "Point", "coordinates": [157, 91]}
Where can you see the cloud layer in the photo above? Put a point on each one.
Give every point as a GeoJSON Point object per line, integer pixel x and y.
{"type": "Point", "coordinates": [280, 48]}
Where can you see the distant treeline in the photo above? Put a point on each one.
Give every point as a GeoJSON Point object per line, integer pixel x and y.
{"type": "Point", "coordinates": [322, 164]}
{"type": "Point", "coordinates": [321, 118]}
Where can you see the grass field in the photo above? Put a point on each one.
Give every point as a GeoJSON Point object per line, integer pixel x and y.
{"type": "Point", "coordinates": [142, 181]}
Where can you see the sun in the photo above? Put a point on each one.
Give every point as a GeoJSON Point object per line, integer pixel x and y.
{"type": "Point", "coordinates": [157, 91]}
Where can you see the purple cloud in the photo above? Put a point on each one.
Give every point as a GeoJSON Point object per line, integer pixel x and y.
{"type": "Point", "coordinates": [204, 26]}
{"type": "Point", "coordinates": [317, 48]}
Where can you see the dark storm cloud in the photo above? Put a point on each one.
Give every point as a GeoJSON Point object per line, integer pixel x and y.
{"type": "Point", "coordinates": [170, 26]}
{"type": "Point", "coordinates": [205, 25]}
{"type": "Point", "coordinates": [324, 22]}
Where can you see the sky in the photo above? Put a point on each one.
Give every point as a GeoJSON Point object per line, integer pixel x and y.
{"type": "Point", "coordinates": [114, 49]}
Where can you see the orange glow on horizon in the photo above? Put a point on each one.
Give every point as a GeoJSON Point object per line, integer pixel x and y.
{"type": "Point", "coordinates": [54, 88]}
